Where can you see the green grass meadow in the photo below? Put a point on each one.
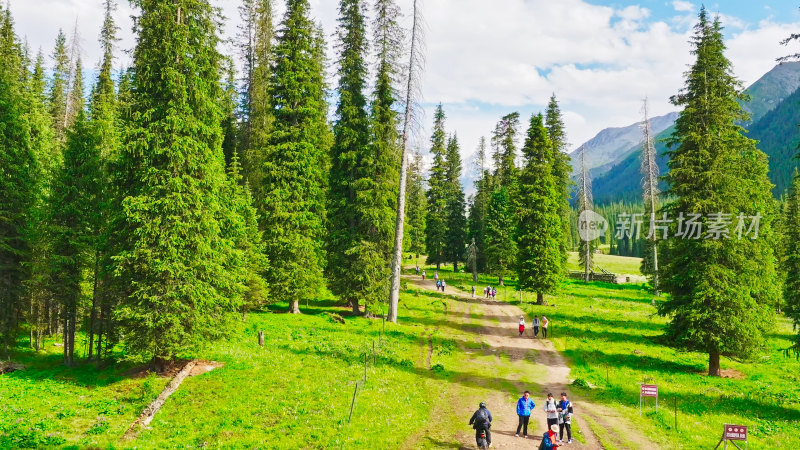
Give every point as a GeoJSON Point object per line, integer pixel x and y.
{"type": "Point", "coordinates": [296, 392]}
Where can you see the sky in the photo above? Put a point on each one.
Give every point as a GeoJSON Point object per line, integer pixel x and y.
{"type": "Point", "coordinates": [487, 58]}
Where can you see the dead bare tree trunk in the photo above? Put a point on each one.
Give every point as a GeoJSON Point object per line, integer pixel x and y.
{"type": "Point", "coordinates": [414, 69]}
{"type": "Point", "coordinates": [649, 170]}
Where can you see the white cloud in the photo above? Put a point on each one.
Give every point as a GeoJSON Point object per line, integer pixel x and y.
{"type": "Point", "coordinates": [485, 59]}
{"type": "Point", "coordinates": [682, 6]}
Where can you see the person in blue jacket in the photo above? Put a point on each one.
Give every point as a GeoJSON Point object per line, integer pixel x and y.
{"type": "Point", "coordinates": [525, 406]}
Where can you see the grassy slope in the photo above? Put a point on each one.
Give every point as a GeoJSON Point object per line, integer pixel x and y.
{"type": "Point", "coordinates": [621, 265]}
{"type": "Point", "coordinates": [295, 393]}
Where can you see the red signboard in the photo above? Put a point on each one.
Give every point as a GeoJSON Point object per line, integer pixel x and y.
{"type": "Point", "coordinates": [735, 433]}
{"type": "Point", "coordinates": [649, 390]}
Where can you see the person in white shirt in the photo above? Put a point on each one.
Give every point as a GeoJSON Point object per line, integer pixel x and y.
{"type": "Point", "coordinates": [551, 410]}
{"type": "Point", "coordinates": [521, 325]}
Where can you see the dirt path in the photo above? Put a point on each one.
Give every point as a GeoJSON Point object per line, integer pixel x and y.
{"type": "Point", "coordinates": [522, 363]}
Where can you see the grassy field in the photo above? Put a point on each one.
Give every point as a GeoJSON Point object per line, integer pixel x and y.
{"type": "Point", "coordinates": [622, 265]}
{"type": "Point", "coordinates": [294, 393]}
{"type": "Point", "coordinates": [610, 333]}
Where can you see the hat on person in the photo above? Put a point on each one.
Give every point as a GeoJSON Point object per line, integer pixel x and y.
{"type": "Point", "coordinates": [554, 428]}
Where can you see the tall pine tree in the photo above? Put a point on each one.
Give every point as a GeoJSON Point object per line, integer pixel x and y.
{"type": "Point", "coordinates": [791, 251]}
{"type": "Point", "coordinates": [257, 36]}
{"type": "Point", "coordinates": [478, 207]}
{"type": "Point", "coordinates": [455, 240]}
{"type": "Point", "coordinates": [416, 208]}
{"type": "Point", "coordinates": [436, 218]}
{"type": "Point", "coordinates": [352, 255]}
{"type": "Point", "coordinates": [722, 291]}
{"type": "Point", "coordinates": [541, 250]}
{"type": "Point", "coordinates": [562, 168]}
{"type": "Point", "coordinates": [59, 86]}
{"type": "Point", "coordinates": [183, 275]}
{"type": "Point", "coordinates": [293, 205]}
{"type": "Point", "coordinates": [17, 185]}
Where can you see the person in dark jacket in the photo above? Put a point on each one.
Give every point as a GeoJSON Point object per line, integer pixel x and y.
{"type": "Point", "coordinates": [481, 421]}
{"type": "Point", "coordinates": [525, 406]}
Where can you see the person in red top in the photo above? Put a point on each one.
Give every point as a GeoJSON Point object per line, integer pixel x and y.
{"type": "Point", "coordinates": [550, 439]}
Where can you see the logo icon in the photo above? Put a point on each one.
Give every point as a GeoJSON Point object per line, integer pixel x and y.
{"type": "Point", "coordinates": [591, 225]}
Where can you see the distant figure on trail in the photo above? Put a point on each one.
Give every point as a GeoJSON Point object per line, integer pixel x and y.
{"type": "Point", "coordinates": [473, 291]}
{"type": "Point", "coordinates": [423, 275]}
{"type": "Point", "coordinates": [552, 411]}
{"type": "Point", "coordinates": [565, 412]}
{"type": "Point", "coordinates": [521, 325]}
{"type": "Point", "coordinates": [488, 291]}
{"type": "Point", "coordinates": [525, 406]}
{"type": "Point", "coordinates": [545, 324]}
{"type": "Point", "coordinates": [535, 324]}
{"type": "Point", "coordinates": [417, 269]}
{"type": "Point", "coordinates": [482, 421]}
{"type": "Point", "coordinates": [494, 293]}
{"type": "Point", "coordinates": [444, 284]}
{"type": "Point", "coordinates": [436, 275]}
{"type": "Point", "coordinates": [438, 284]}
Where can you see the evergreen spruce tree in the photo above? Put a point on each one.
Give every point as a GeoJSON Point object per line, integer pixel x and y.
{"type": "Point", "coordinates": [722, 292]}
{"type": "Point", "coordinates": [228, 102]}
{"type": "Point", "coordinates": [293, 206]}
{"type": "Point", "coordinates": [47, 153]}
{"type": "Point", "coordinates": [184, 276]}
{"type": "Point", "coordinates": [562, 168]}
{"type": "Point", "coordinates": [541, 248]}
{"type": "Point", "coordinates": [241, 226]}
{"type": "Point", "coordinates": [501, 249]}
{"type": "Point", "coordinates": [59, 86]}
{"type": "Point", "coordinates": [257, 36]}
{"type": "Point", "coordinates": [75, 208]}
{"type": "Point", "coordinates": [416, 208]}
{"type": "Point", "coordinates": [105, 128]}
{"type": "Point", "coordinates": [354, 259]}
{"type": "Point", "coordinates": [504, 141]}
{"type": "Point", "coordinates": [478, 207]}
{"type": "Point", "coordinates": [436, 219]}
{"type": "Point", "coordinates": [384, 176]}
{"type": "Point", "coordinates": [455, 243]}
{"type": "Point", "coordinates": [791, 251]}
{"type": "Point", "coordinates": [17, 185]}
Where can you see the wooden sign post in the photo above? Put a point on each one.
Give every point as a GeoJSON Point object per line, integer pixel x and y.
{"type": "Point", "coordinates": [647, 390]}
{"type": "Point", "coordinates": [733, 433]}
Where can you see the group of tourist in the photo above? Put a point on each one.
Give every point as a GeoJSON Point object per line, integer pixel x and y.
{"type": "Point", "coordinates": [559, 419]}
{"type": "Point", "coordinates": [538, 323]}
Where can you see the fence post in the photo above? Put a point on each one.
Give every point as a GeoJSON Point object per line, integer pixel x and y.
{"type": "Point", "coordinates": [676, 413]}
{"type": "Point", "coordinates": [373, 353]}
{"type": "Point", "coordinates": [365, 367]}
{"type": "Point", "coordinates": [353, 402]}
{"type": "Point", "coordinates": [261, 338]}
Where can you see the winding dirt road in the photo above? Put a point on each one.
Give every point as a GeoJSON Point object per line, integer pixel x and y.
{"type": "Point", "coordinates": [514, 364]}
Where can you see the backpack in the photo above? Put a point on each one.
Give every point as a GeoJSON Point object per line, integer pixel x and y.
{"type": "Point", "coordinates": [481, 419]}
{"type": "Point", "coordinates": [541, 444]}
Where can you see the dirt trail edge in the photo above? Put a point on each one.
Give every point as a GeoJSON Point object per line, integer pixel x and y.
{"type": "Point", "coordinates": [527, 364]}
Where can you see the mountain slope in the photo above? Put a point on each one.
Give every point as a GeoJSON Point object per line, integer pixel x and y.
{"type": "Point", "coordinates": [612, 145]}
{"type": "Point", "coordinates": [774, 114]}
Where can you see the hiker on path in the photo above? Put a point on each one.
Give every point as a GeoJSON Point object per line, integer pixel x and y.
{"type": "Point", "coordinates": [444, 285]}
{"type": "Point", "coordinates": [552, 411]}
{"type": "Point", "coordinates": [436, 275]}
{"type": "Point", "coordinates": [473, 291]}
{"type": "Point", "coordinates": [423, 275]}
{"type": "Point", "coordinates": [525, 406]}
{"type": "Point", "coordinates": [565, 418]}
{"type": "Point", "coordinates": [550, 439]}
{"type": "Point", "coordinates": [494, 293]}
{"type": "Point", "coordinates": [488, 291]}
{"type": "Point", "coordinates": [481, 421]}
{"type": "Point", "coordinates": [521, 325]}
{"type": "Point", "coordinates": [438, 284]}
{"type": "Point", "coordinates": [545, 323]}
{"type": "Point", "coordinates": [417, 269]}
{"type": "Point", "coordinates": [535, 324]}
